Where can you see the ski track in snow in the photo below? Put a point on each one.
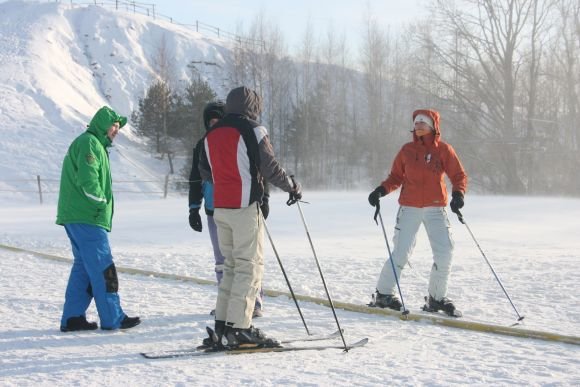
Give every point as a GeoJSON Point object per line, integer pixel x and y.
{"type": "Point", "coordinates": [534, 254]}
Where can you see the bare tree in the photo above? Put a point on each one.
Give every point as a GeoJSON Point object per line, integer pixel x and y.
{"type": "Point", "coordinates": [486, 60]}
{"type": "Point", "coordinates": [302, 125]}
{"type": "Point", "coordinates": [569, 36]}
{"type": "Point", "coordinates": [374, 62]}
{"type": "Point", "coordinates": [163, 66]}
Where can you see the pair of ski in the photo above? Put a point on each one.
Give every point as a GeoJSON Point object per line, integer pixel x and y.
{"type": "Point", "coordinates": [202, 351]}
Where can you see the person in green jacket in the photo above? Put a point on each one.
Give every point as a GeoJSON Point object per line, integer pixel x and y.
{"type": "Point", "coordinates": [85, 209]}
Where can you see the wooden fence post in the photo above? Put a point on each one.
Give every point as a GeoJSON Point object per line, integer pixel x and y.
{"type": "Point", "coordinates": [170, 158]}
{"type": "Point", "coordinates": [166, 187]}
{"type": "Point", "coordinates": [39, 188]}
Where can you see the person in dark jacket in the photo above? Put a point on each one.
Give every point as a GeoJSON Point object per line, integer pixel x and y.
{"type": "Point", "coordinates": [237, 156]}
{"type": "Point", "coordinates": [85, 209]}
{"type": "Point", "coordinates": [203, 191]}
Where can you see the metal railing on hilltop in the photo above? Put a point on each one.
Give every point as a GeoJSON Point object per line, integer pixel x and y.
{"type": "Point", "coordinates": [149, 9]}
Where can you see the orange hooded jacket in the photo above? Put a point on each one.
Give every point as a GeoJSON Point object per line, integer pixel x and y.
{"type": "Point", "coordinates": [420, 167]}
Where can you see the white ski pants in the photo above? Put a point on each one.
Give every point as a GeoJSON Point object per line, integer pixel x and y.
{"type": "Point", "coordinates": [437, 225]}
{"type": "Point", "coordinates": [241, 241]}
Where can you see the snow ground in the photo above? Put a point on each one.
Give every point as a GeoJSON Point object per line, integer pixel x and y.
{"type": "Point", "coordinates": [532, 243]}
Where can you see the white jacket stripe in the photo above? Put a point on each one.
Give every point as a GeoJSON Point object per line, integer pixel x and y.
{"type": "Point", "coordinates": [244, 171]}
{"type": "Point", "coordinates": [95, 198]}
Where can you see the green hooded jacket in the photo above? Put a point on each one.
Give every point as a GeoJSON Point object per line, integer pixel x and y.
{"type": "Point", "coordinates": [86, 194]}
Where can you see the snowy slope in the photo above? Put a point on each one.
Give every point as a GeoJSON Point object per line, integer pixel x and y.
{"type": "Point", "coordinates": [532, 242]}
{"type": "Point", "coordinates": [59, 64]}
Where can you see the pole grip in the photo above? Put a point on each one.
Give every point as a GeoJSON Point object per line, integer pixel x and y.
{"type": "Point", "coordinates": [459, 216]}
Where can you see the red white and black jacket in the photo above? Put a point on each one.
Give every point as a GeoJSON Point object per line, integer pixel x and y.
{"type": "Point", "coordinates": [237, 156]}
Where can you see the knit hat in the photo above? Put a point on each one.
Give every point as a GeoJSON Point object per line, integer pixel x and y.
{"type": "Point", "coordinates": [424, 118]}
{"type": "Point", "coordinates": [213, 110]}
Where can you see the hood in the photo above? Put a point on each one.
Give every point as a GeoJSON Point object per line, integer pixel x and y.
{"type": "Point", "coordinates": [102, 121]}
{"type": "Point", "coordinates": [245, 102]}
{"type": "Point", "coordinates": [434, 115]}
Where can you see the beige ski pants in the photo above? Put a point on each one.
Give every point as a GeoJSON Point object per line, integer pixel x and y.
{"type": "Point", "coordinates": [241, 241]}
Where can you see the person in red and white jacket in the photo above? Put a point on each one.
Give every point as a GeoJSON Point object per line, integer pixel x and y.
{"type": "Point", "coordinates": [238, 159]}
{"type": "Point", "coordinates": [419, 169]}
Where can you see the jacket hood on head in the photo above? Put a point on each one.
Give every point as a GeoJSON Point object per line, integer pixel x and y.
{"type": "Point", "coordinates": [245, 102]}
{"type": "Point", "coordinates": [102, 121]}
{"type": "Point", "coordinates": [434, 115]}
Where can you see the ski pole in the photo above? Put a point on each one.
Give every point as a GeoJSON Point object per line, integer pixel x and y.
{"type": "Point", "coordinates": [286, 277]}
{"type": "Point", "coordinates": [321, 276]}
{"type": "Point", "coordinates": [460, 217]}
{"type": "Point", "coordinates": [378, 212]}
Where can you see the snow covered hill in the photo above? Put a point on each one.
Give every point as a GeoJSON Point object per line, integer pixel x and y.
{"type": "Point", "coordinates": [60, 63]}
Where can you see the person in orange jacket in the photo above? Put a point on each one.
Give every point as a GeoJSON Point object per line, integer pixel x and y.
{"type": "Point", "coordinates": [419, 170]}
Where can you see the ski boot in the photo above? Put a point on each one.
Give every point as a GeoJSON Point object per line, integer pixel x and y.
{"type": "Point", "coordinates": [249, 338]}
{"type": "Point", "coordinates": [80, 323]}
{"type": "Point", "coordinates": [385, 301]}
{"type": "Point", "coordinates": [445, 305]}
{"type": "Point", "coordinates": [130, 322]}
{"type": "Point", "coordinates": [214, 339]}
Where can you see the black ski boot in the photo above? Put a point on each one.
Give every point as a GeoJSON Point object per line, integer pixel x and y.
{"type": "Point", "coordinates": [214, 339]}
{"type": "Point", "coordinates": [445, 305]}
{"type": "Point", "coordinates": [130, 322]}
{"type": "Point", "coordinates": [385, 301]}
{"type": "Point", "coordinates": [78, 324]}
{"type": "Point", "coordinates": [249, 338]}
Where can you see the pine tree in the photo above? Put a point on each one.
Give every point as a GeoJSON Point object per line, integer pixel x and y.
{"type": "Point", "coordinates": [149, 118]}
{"type": "Point", "coordinates": [190, 118]}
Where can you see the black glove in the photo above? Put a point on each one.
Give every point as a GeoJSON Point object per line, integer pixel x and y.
{"type": "Point", "coordinates": [375, 196]}
{"type": "Point", "coordinates": [457, 201]}
{"type": "Point", "coordinates": [296, 193]}
{"type": "Point", "coordinates": [195, 219]}
{"type": "Point", "coordinates": [265, 208]}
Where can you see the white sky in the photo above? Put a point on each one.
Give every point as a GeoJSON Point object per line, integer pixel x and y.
{"type": "Point", "coordinates": [344, 16]}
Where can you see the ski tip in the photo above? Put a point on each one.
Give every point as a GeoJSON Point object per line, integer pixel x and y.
{"type": "Point", "coordinates": [359, 343]}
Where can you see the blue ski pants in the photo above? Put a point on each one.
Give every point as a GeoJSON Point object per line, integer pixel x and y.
{"type": "Point", "coordinates": [93, 275]}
